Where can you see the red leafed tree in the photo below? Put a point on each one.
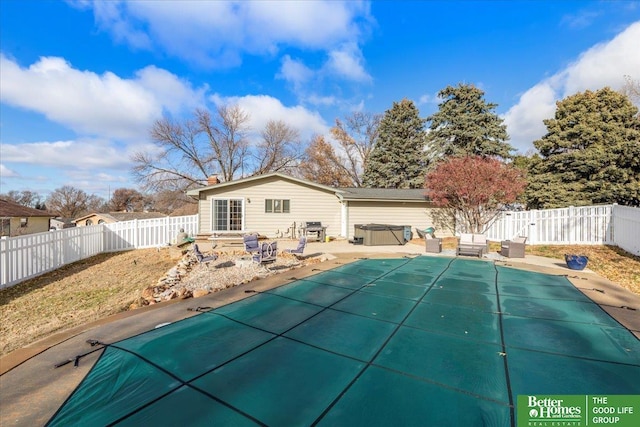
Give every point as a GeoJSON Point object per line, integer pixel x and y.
{"type": "Point", "coordinates": [471, 190]}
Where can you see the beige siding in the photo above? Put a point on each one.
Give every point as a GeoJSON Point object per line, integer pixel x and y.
{"type": "Point", "coordinates": [34, 225]}
{"type": "Point", "coordinates": [204, 214]}
{"type": "Point", "coordinates": [95, 220]}
{"type": "Point", "coordinates": [395, 213]}
{"type": "Point", "coordinates": [307, 203]}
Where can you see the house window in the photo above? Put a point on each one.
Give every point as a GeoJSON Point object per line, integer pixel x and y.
{"type": "Point", "coordinates": [276, 206]}
{"type": "Point", "coordinates": [227, 214]}
{"type": "Point", "coordinates": [88, 222]}
{"type": "Point", "coordinates": [101, 221]}
{"type": "Point", "coordinates": [24, 222]}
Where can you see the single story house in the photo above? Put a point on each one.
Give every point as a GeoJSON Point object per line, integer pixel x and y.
{"type": "Point", "coordinates": [279, 205]}
{"type": "Point", "coordinates": [59, 223]}
{"type": "Point", "coordinates": [111, 217]}
{"type": "Point", "coordinates": [17, 220]}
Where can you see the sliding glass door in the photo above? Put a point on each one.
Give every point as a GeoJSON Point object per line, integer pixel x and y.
{"type": "Point", "coordinates": [227, 215]}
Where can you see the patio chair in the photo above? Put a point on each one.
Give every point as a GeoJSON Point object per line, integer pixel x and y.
{"type": "Point", "coordinates": [201, 258]}
{"type": "Point", "coordinates": [300, 249]}
{"type": "Point", "coordinates": [251, 243]}
{"type": "Point", "coordinates": [513, 248]}
{"type": "Point", "coordinates": [267, 253]}
{"type": "Point", "coordinates": [472, 244]}
{"type": "Point", "coordinates": [432, 244]}
{"type": "Point", "coordinates": [429, 231]}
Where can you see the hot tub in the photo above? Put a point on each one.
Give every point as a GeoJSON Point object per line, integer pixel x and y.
{"type": "Point", "coordinates": [382, 234]}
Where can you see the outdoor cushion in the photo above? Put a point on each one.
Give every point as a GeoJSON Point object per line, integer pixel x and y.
{"type": "Point", "coordinates": [250, 242]}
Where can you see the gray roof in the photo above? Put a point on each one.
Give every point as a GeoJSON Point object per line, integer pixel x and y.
{"type": "Point", "coordinates": [345, 193]}
{"type": "Point", "coordinates": [197, 191]}
{"type": "Point", "coordinates": [394, 194]}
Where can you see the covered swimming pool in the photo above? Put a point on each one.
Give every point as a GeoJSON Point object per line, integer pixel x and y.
{"type": "Point", "coordinates": [412, 341]}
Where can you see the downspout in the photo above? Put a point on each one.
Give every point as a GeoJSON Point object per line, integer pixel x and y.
{"type": "Point", "coordinates": [344, 232]}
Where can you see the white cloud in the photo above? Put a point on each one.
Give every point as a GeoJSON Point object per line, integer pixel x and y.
{"type": "Point", "coordinates": [604, 64]}
{"type": "Point", "coordinates": [429, 99]}
{"type": "Point", "coordinates": [343, 63]}
{"type": "Point", "coordinates": [581, 19]}
{"type": "Point", "coordinates": [96, 183]}
{"type": "Point", "coordinates": [321, 100]}
{"type": "Point", "coordinates": [5, 172]}
{"type": "Point", "coordinates": [347, 62]}
{"type": "Point", "coordinates": [295, 72]}
{"type": "Point", "coordinates": [78, 154]}
{"type": "Point", "coordinates": [218, 33]}
{"type": "Point", "coordinates": [263, 108]}
{"type": "Point", "coordinates": [108, 16]}
{"type": "Point", "coordinates": [104, 105]}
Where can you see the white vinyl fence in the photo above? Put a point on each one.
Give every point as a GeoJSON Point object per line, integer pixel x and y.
{"type": "Point", "coordinates": [147, 233]}
{"type": "Point", "coordinates": [587, 225]}
{"type": "Point", "coordinates": [626, 223]}
{"type": "Point", "coordinates": [28, 256]}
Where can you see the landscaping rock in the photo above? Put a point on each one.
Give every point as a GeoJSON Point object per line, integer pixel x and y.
{"type": "Point", "coordinates": [188, 278]}
{"type": "Point", "coordinates": [200, 293]}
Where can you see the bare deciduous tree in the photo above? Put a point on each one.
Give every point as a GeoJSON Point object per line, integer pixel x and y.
{"type": "Point", "coordinates": [174, 202]}
{"type": "Point", "coordinates": [181, 161]}
{"type": "Point", "coordinates": [631, 89]}
{"type": "Point", "coordinates": [25, 198]}
{"type": "Point", "coordinates": [71, 202]}
{"type": "Point", "coordinates": [356, 137]}
{"type": "Point", "coordinates": [192, 150]}
{"type": "Point", "coordinates": [127, 200]}
{"type": "Point", "coordinates": [279, 150]}
{"type": "Point", "coordinates": [227, 137]}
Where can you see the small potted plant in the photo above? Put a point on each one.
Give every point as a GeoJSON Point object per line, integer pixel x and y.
{"type": "Point", "coordinates": [576, 262]}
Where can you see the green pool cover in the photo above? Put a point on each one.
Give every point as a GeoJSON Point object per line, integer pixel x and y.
{"type": "Point", "coordinates": [425, 341]}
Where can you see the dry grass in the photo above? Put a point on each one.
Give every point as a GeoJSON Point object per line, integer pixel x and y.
{"type": "Point", "coordinates": [77, 293]}
{"type": "Point", "coordinates": [610, 262]}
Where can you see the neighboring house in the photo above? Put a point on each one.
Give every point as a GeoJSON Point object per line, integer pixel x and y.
{"type": "Point", "coordinates": [111, 217]}
{"type": "Point", "coordinates": [17, 220]}
{"type": "Point", "coordinates": [274, 204]}
{"type": "Point", "coordinates": [59, 223]}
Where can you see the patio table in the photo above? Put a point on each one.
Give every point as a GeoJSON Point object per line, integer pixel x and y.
{"type": "Point", "coordinates": [470, 250]}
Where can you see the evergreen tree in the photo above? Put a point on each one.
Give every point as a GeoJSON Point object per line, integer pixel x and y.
{"type": "Point", "coordinates": [466, 125]}
{"type": "Point", "coordinates": [590, 154]}
{"type": "Point", "coordinates": [397, 159]}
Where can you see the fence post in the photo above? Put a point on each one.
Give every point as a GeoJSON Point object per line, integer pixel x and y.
{"type": "Point", "coordinates": [4, 245]}
{"type": "Point", "coordinates": [570, 226]}
{"type": "Point", "coordinates": [135, 233]}
{"type": "Point", "coordinates": [167, 229]}
{"type": "Point", "coordinates": [611, 236]}
{"type": "Point", "coordinates": [533, 222]}
{"type": "Point", "coordinates": [103, 236]}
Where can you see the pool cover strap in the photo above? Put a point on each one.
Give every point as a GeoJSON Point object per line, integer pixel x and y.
{"type": "Point", "coordinates": [422, 341]}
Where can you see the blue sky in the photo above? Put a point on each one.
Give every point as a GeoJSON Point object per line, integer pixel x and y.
{"type": "Point", "coordinates": [81, 82]}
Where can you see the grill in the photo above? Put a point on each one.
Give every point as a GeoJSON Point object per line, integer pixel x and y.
{"type": "Point", "coordinates": [315, 227]}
